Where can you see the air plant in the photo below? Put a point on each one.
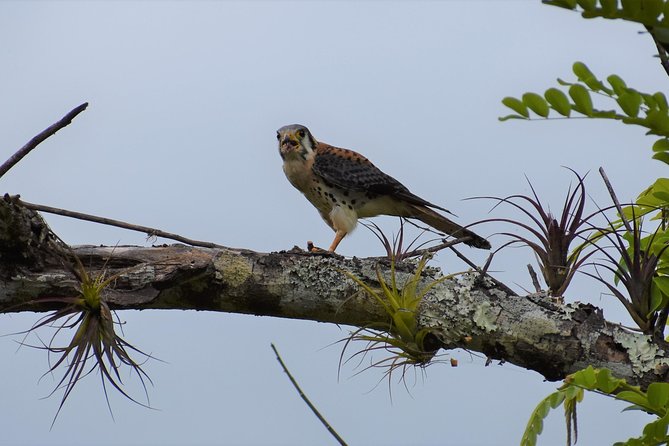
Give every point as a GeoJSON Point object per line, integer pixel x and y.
{"type": "Point", "coordinates": [638, 266]}
{"type": "Point", "coordinates": [551, 239]}
{"type": "Point", "coordinates": [95, 345]}
{"type": "Point", "coordinates": [397, 251]}
{"type": "Point", "coordinates": [401, 337]}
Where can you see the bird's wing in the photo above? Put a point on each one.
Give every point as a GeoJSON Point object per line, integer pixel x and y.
{"type": "Point", "coordinates": [349, 170]}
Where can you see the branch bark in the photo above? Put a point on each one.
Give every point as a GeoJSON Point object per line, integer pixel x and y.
{"type": "Point", "coordinates": [479, 315]}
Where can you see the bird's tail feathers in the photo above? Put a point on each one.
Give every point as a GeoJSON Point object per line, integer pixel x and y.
{"type": "Point", "coordinates": [443, 224]}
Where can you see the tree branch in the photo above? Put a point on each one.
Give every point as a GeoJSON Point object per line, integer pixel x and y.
{"type": "Point", "coordinates": [468, 312]}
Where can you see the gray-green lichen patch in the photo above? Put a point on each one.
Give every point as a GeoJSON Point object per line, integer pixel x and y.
{"type": "Point", "coordinates": [442, 292]}
{"type": "Point", "coordinates": [568, 310]}
{"type": "Point", "coordinates": [324, 274]}
{"type": "Point", "coordinates": [23, 289]}
{"type": "Point", "coordinates": [485, 318]}
{"type": "Point", "coordinates": [143, 274]}
{"type": "Point", "coordinates": [232, 269]}
{"type": "Point", "coordinates": [463, 285]}
{"type": "Point", "coordinates": [466, 281]}
{"type": "Point", "coordinates": [643, 353]}
{"type": "Point", "coordinates": [47, 278]}
{"type": "Point", "coordinates": [441, 309]}
{"type": "Point", "coordinates": [495, 292]}
{"type": "Point", "coordinates": [534, 324]}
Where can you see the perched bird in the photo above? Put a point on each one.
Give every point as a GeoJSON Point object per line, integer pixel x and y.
{"type": "Point", "coordinates": [345, 186]}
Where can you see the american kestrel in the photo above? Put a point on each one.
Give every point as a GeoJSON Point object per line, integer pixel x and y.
{"type": "Point", "coordinates": [345, 186]}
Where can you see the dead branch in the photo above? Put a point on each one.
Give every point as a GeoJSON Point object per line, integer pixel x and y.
{"type": "Point", "coordinates": [614, 197]}
{"type": "Point", "coordinates": [150, 232]}
{"type": "Point", "coordinates": [39, 138]}
{"type": "Point", "coordinates": [534, 277]}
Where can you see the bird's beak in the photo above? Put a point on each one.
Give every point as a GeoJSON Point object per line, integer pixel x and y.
{"type": "Point", "coordinates": [288, 144]}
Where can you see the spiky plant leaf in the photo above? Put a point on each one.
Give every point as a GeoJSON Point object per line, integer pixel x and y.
{"type": "Point", "coordinates": [401, 337]}
{"type": "Point", "coordinates": [552, 238]}
{"type": "Point", "coordinates": [94, 346]}
{"type": "Point", "coordinates": [634, 260]}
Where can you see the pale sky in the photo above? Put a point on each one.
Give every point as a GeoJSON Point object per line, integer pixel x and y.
{"type": "Point", "coordinates": [185, 99]}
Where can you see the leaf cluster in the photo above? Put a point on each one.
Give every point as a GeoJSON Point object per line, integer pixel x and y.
{"type": "Point", "coordinates": [654, 199]}
{"type": "Point", "coordinates": [641, 267]}
{"type": "Point", "coordinates": [401, 336]}
{"type": "Point", "coordinates": [655, 401]}
{"type": "Point", "coordinates": [94, 345]}
{"type": "Point", "coordinates": [636, 257]}
{"type": "Point", "coordinates": [632, 106]}
{"type": "Point", "coordinates": [551, 239]}
{"type": "Point", "coordinates": [648, 12]}
{"type": "Point", "coordinates": [638, 263]}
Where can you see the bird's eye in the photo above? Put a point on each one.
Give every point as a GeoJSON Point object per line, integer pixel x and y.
{"type": "Point", "coordinates": [278, 136]}
{"type": "Point", "coordinates": [301, 133]}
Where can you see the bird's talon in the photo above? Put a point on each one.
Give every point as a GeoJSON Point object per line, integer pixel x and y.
{"type": "Point", "coordinates": [312, 249]}
{"type": "Point", "coordinates": [316, 250]}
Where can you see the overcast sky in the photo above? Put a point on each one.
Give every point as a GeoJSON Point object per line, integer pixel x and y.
{"type": "Point", "coordinates": [185, 99]}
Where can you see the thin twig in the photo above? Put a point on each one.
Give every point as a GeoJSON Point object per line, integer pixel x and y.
{"type": "Point", "coordinates": [423, 228]}
{"type": "Point", "coordinates": [306, 400]}
{"type": "Point", "coordinates": [483, 272]}
{"type": "Point", "coordinates": [435, 248]}
{"type": "Point", "coordinates": [151, 232]}
{"type": "Point", "coordinates": [30, 145]}
{"type": "Point", "coordinates": [615, 199]}
{"type": "Point", "coordinates": [535, 278]}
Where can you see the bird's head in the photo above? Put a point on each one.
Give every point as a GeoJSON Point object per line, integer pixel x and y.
{"type": "Point", "coordinates": [295, 141]}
